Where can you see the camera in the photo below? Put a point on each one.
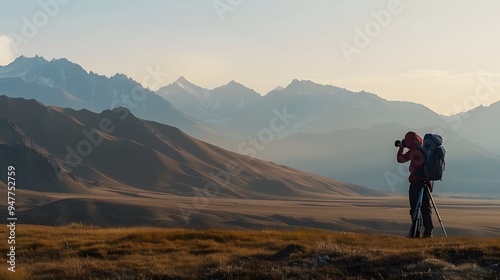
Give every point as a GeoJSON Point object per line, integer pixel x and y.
{"type": "Point", "coordinates": [398, 142]}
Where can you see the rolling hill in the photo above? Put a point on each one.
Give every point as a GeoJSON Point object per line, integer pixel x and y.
{"type": "Point", "coordinates": [114, 157]}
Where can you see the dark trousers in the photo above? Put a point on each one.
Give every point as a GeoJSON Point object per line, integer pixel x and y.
{"type": "Point", "coordinates": [415, 188]}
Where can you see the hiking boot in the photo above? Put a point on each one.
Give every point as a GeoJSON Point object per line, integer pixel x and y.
{"type": "Point", "coordinates": [428, 233]}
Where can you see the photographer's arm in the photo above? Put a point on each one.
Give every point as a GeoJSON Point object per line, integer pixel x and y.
{"type": "Point", "coordinates": [402, 157]}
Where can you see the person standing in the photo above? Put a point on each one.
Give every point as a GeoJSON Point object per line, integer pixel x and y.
{"type": "Point", "coordinates": [416, 156]}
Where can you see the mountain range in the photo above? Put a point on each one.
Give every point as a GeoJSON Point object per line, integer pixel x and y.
{"type": "Point", "coordinates": [348, 135]}
{"type": "Point", "coordinates": [315, 108]}
{"type": "Point", "coordinates": [62, 83]}
{"type": "Point", "coordinates": [323, 129]}
{"type": "Point", "coordinates": [71, 164]}
{"type": "Point", "coordinates": [214, 107]}
{"type": "Point", "coordinates": [478, 126]}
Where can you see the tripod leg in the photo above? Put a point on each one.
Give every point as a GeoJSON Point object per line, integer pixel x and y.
{"type": "Point", "coordinates": [417, 216]}
{"type": "Point", "coordinates": [437, 212]}
{"type": "Point", "coordinates": [415, 227]}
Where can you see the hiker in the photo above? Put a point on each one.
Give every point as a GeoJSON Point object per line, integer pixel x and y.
{"type": "Point", "coordinates": [416, 157]}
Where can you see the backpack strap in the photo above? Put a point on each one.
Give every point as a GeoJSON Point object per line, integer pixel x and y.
{"type": "Point", "coordinates": [423, 174]}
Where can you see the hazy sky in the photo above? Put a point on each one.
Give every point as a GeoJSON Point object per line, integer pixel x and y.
{"type": "Point", "coordinates": [444, 54]}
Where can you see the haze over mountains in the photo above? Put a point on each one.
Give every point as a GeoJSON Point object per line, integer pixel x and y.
{"type": "Point", "coordinates": [216, 106]}
{"type": "Point", "coordinates": [127, 151]}
{"type": "Point", "coordinates": [94, 161]}
{"type": "Point", "coordinates": [316, 108]}
{"type": "Point", "coordinates": [479, 125]}
{"type": "Point", "coordinates": [348, 135]}
{"type": "Point", "coordinates": [62, 83]}
{"type": "Point", "coordinates": [319, 128]}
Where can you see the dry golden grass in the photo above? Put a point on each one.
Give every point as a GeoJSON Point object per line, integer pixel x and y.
{"type": "Point", "coordinates": [82, 252]}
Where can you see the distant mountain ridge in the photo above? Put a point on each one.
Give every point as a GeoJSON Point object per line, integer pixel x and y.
{"type": "Point", "coordinates": [318, 108]}
{"type": "Point", "coordinates": [60, 82]}
{"type": "Point", "coordinates": [215, 106]}
{"type": "Point", "coordinates": [473, 123]}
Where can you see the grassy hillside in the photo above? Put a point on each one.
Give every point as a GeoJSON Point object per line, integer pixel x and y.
{"type": "Point", "coordinates": [80, 252]}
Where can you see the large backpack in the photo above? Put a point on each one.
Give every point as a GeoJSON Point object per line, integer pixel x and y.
{"type": "Point", "coordinates": [434, 165]}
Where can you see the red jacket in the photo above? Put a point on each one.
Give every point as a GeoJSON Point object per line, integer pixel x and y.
{"type": "Point", "coordinates": [414, 154]}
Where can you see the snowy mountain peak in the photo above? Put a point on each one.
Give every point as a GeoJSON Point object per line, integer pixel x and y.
{"type": "Point", "coordinates": [182, 86]}
{"type": "Point", "coordinates": [183, 80]}
{"type": "Point", "coordinates": [40, 58]}
{"type": "Point", "coordinates": [25, 61]}
{"type": "Point", "coordinates": [187, 85]}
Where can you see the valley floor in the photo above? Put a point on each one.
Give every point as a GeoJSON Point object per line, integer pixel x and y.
{"type": "Point", "coordinates": [383, 215]}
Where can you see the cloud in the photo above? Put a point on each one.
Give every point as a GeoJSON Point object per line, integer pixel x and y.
{"type": "Point", "coordinates": [6, 50]}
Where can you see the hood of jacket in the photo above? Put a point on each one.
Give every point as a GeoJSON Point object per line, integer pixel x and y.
{"type": "Point", "coordinates": [412, 140]}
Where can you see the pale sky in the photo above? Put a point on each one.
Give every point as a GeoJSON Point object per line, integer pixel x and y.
{"type": "Point", "coordinates": [443, 54]}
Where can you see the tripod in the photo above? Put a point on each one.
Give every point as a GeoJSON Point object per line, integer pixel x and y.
{"type": "Point", "coordinates": [417, 215]}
